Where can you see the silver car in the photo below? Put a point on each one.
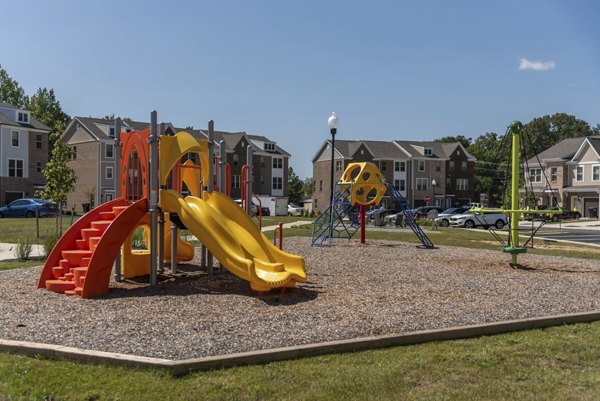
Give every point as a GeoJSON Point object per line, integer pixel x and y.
{"type": "Point", "coordinates": [472, 220]}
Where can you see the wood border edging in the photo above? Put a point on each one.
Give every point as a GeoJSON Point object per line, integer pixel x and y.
{"type": "Point", "coordinates": [179, 367]}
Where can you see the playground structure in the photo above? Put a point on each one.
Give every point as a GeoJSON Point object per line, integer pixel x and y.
{"type": "Point", "coordinates": [361, 185]}
{"type": "Point", "coordinates": [151, 178]}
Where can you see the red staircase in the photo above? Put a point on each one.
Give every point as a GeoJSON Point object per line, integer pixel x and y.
{"type": "Point", "coordinates": [89, 248]}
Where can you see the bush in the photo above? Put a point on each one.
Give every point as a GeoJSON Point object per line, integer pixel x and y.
{"type": "Point", "coordinates": [23, 249]}
{"type": "Point", "coordinates": [49, 241]}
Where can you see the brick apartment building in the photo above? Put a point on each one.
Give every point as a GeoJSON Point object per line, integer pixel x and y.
{"type": "Point", "coordinates": [411, 166]}
{"type": "Point", "coordinates": [92, 141]}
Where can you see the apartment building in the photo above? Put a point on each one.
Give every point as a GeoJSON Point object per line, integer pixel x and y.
{"type": "Point", "coordinates": [23, 153]}
{"type": "Point", "coordinates": [92, 141]}
{"type": "Point", "coordinates": [411, 166]}
{"type": "Point", "coordinates": [567, 175]}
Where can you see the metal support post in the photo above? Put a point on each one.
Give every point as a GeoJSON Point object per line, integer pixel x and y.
{"type": "Point", "coordinates": [514, 215]}
{"type": "Point", "coordinates": [363, 212]}
{"type": "Point", "coordinates": [211, 159]}
{"type": "Point", "coordinates": [222, 162]}
{"type": "Point", "coordinates": [153, 195]}
{"type": "Point", "coordinates": [250, 174]}
{"type": "Point", "coordinates": [117, 185]}
{"type": "Point", "coordinates": [161, 241]}
{"type": "Point", "coordinates": [173, 247]}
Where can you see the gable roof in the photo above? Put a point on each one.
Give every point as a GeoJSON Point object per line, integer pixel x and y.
{"type": "Point", "coordinates": [33, 122]}
{"type": "Point", "coordinates": [565, 150]}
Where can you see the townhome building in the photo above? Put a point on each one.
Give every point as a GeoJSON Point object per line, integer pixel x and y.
{"type": "Point", "coordinates": [92, 141]}
{"type": "Point", "coordinates": [567, 175]}
{"type": "Point", "coordinates": [425, 173]}
{"type": "Point", "coordinates": [23, 153]}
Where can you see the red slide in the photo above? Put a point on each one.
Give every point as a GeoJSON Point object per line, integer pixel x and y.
{"type": "Point", "coordinates": [82, 260]}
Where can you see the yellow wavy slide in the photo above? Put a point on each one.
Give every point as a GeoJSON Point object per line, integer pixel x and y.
{"type": "Point", "coordinates": [229, 234]}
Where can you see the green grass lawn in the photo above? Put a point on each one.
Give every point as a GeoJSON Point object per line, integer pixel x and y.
{"type": "Point", "coordinates": [549, 364]}
{"type": "Point", "coordinates": [11, 230]}
{"type": "Point", "coordinates": [17, 264]}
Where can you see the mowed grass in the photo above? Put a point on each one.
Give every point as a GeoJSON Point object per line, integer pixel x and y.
{"type": "Point", "coordinates": [549, 364]}
{"type": "Point", "coordinates": [12, 230]}
{"type": "Point", "coordinates": [17, 264]}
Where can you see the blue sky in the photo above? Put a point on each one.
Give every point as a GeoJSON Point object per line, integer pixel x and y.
{"type": "Point", "coordinates": [389, 69]}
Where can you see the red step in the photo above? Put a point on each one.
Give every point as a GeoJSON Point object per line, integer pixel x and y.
{"type": "Point", "coordinates": [79, 291]}
{"type": "Point", "coordinates": [70, 292]}
{"type": "Point", "coordinates": [107, 216]}
{"type": "Point", "coordinates": [79, 275]}
{"type": "Point", "coordinates": [85, 262]}
{"type": "Point", "coordinates": [74, 256]}
{"type": "Point", "coordinates": [86, 233]}
{"type": "Point", "coordinates": [69, 276]}
{"type": "Point", "coordinates": [82, 244]}
{"type": "Point", "coordinates": [65, 264]}
{"type": "Point", "coordinates": [57, 272]}
{"type": "Point", "coordinates": [59, 286]}
{"type": "Point", "coordinates": [118, 209]}
{"type": "Point", "coordinates": [93, 242]}
{"type": "Point", "coordinates": [101, 225]}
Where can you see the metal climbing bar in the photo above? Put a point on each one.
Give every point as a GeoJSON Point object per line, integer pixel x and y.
{"type": "Point", "coordinates": [340, 220]}
{"type": "Point", "coordinates": [408, 217]}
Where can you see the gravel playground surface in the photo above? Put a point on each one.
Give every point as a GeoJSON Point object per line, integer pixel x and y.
{"type": "Point", "coordinates": [353, 291]}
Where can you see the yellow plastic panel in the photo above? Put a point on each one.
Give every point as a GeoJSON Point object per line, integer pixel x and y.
{"type": "Point", "coordinates": [367, 183]}
{"type": "Point", "coordinates": [172, 148]}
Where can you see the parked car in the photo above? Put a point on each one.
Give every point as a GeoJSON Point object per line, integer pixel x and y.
{"type": "Point", "coordinates": [254, 206]}
{"type": "Point", "coordinates": [294, 210]}
{"type": "Point", "coordinates": [444, 217]}
{"type": "Point", "coordinates": [563, 214]}
{"type": "Point", "coordinates": [26, 207]}
{"type": "Point", "coordinates": [471, 220]}
{"type": "Point", "coordinates": [379, 215]}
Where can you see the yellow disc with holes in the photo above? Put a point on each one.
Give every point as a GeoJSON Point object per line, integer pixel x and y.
{"type": "Point", "coordinates": [367, 183]}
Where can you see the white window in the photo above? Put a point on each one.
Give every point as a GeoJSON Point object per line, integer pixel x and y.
{"type": "Point", "coordinates": [270, 147]}
{"type": "Point", "coordinates": [338, 165]}
{"type": "Point", "coordinates": [15, 168]}
{"type": "Point", "coordinates": [38, 141]}
{"type": "Point", "coordinates": [535, 175]}
{"type": "Point", "coordinates": [111, 132]}
{"type": "Point", "coordinates": [422, 184]}
{"type": "Point", "coordinates": [400, 185]}
{"type": "Point", "coordinates": [236, 159]}
{"type": "Point", "coordinates": [596, 172]}
{"type": "Point", "coordinates": [277, 183]}
{"type": "Point", "coordinates": [451, 166]}
{"type": "Point", "coordinates": [23, 117]}
{"type": "Point", "coordinates": [108, 151]}
{"type": "Point", "coordinates": [383, 166]}
{"type": "Point", "coordinates": [15, 139]}
{"type": "Point", "coordinates": [109, 173]}
{"type": "Point", "coordinates": [462, 184]}
{"type": "Point", "coordinates": [74, 153]}
{"type": "Point", "coordinates": [463, 166]}
{"type": "Point", "coordinates": [320, 185]}
{"type": "Point", "coordinates": [421, 165]}
{"type": "Point", "coordinates": [397, 185]}
{"type": "Point", "coordinates": [38, 166]}
{"type": "Point", "coordinates": [554, 174]}
{"type": "Point", "coordinates": [235, 181]}
{"type": "Point", "coordinates": [579, 173]}
{"type": "Point", "coordinates": [428, 152]}
{"type": "Point", "coordinates": [438, 166]}
{"type": "Point", "coordinates": [277, 162]}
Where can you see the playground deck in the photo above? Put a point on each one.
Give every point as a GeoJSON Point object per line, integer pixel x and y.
{"type": "Point", "coordinates": [353, 291]}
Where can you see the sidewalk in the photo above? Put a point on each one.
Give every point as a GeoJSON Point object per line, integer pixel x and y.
{"type": "Point", "coordinates": [582, 225]}
{"type": "Point", "coordinates": [294, 224]}
{"type": "Point", "coordinates": [7, 251]}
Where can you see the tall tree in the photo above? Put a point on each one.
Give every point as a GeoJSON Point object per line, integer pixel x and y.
{"type": "Point", "coordinates": [46, 108]}
{"type": "Point", "coordinates": [295, 185]}
{"type": "Point", "coordinates": [10, 91]}
{"type": "Point", "coordinates": [457, 138]}
{"type": "Point", "coordinates": [307, 186]}
{"type": "Point", "coordinates": [60, 177]}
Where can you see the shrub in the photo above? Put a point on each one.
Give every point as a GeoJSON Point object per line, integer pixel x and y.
{"type": "Point", "coordinates": [49, 241]}
{"type": "Point", "coordinates": [23, 249]}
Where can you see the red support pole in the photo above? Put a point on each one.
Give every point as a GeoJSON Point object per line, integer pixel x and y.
{"type": "Point", "coordinates": [280, 235]}
{"type": "Point", "coordinates": [363, 212]}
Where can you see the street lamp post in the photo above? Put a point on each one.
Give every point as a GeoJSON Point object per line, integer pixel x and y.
{"type": "Point", "coordinates": [333, 125]}
{"type": "Point", "coordinates": [433, 185]}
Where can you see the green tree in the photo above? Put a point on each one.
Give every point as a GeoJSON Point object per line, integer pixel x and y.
{"type": "Point", "coordinates": [457, 138]}
{"type": "Point", "coordinates": [46, 108]}
{"type": "Point", "coordinates": [307, 186]}
{"type": "Point", "coordinates": [60, 177]}
{"type": "Point", "coordinates": [295, 185]}
{"type": "Point", "coordinates": [10, 91]}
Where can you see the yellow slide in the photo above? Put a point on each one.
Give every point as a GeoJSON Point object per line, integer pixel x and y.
{"type": "Point", "coordinates": [229, 234]}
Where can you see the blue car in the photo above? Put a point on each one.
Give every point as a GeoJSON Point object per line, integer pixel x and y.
{"type": "Point", "coordinates": [26, 207]}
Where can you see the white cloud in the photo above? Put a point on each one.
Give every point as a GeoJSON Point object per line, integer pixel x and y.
{"type": "Point", "coordinates": [525, 64]}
